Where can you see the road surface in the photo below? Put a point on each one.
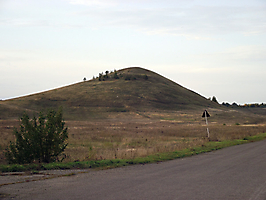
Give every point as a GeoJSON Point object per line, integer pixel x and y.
{"type": "Point", "coordinates": [237, 172]}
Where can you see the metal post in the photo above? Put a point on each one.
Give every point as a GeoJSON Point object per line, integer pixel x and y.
{"type": "Point", "coordinates": [207, 124]}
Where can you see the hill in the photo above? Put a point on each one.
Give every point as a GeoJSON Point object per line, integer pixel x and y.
{"type": "Point", "coordinates": [127, 90]}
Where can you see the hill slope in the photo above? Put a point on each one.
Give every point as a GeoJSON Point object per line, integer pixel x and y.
{"type": "Point", "coordinates": [130, 89]}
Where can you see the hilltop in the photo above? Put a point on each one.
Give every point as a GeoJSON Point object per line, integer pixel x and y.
{"type": "Point", "coordinates": [119, 112]}
{"type": "Point", "coordinates": [127, 90]}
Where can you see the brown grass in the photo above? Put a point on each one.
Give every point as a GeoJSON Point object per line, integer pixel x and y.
{"type": "Point", "coordinates": [96, 99]}
{"type": "Point", "coordinates": [129, 137]}
{"type": "Point", "coordinates": [108, 140]}
{"type": "Point", "coordinates": [121, 118]}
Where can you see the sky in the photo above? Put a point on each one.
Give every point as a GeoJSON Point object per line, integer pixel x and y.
{"type": "Point", "coordinates": [214, 48]}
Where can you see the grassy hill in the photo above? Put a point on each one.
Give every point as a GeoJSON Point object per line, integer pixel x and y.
{"type": "Point", "coordinates": [127, 90]}
{"type": "Point", "coordinates": [132, 113]}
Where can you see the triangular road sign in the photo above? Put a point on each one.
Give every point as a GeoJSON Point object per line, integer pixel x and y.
{"type": "Point", "coordinates": [205, 114]}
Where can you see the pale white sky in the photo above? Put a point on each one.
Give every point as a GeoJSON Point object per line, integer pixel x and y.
{"type": "Point", "coordinates": [215, 48]}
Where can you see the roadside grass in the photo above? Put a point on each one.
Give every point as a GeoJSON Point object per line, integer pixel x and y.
{"type": "Point", "coordinates": [129, 139]}
{"type": "Point", "coordinates": [123, 141]}
{"type": "Point", "coordinates": [113, 163]}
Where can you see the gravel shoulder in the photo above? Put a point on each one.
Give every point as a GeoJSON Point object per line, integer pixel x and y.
{"type": "Point", "coordinates": [22, 177]}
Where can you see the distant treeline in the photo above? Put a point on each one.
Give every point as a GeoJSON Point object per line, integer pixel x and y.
{"type": "Point", "coordinates": [253, 105]}
{"type": "Point", "coordinates": [108, 75]}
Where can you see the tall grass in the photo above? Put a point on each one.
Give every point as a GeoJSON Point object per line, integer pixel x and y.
{"type": "Point", "coordinates": [127, 138]}
{"type": "Point", "coordinates": [112, 163]}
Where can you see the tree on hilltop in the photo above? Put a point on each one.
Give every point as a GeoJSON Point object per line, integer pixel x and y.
{"type": "Point", "coordinates": [116, 76]}
{"type": "Point", "coordinates": [106, 74]}
{"type": "Point", "coordinates": [100, 76]}
{"type": "Point", "coordinates": [214, 99]}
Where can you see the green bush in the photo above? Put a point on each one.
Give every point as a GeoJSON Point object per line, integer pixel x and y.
{"type": "Point", "coordinates": [41, 140]}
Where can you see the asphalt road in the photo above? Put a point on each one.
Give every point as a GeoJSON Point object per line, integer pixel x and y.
{"type": "Point", "coordinates": [237, 172]}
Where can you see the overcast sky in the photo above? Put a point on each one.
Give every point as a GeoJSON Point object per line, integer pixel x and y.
{"type": "Point", "coordinates": [215, 48]}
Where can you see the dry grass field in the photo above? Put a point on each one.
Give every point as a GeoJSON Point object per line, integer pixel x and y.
{"type": "Point", "coordinates": [137, 113]}
{"type": "Point", "coordinates": [130, 135]}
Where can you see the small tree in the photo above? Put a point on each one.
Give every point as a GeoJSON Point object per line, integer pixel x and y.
{"type": "Point", "coordinates": [146, 77]}
{"type": "Point", "coordinates": [116, 76]}
{"type": "Point", "coordinates": [41, 140]}
{"type": "Point", "coordinates": [235, 104]}
{"type": "Point", "coordinates": [100, 76]}
{"type": "Point", "coordinates": [214, 99]}
{"type": "Point", "coordinates": [106, 74]}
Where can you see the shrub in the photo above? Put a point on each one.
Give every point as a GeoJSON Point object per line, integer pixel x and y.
{"type": "Point", "coordinates": [214, 99]}
{"type": "Point", "coordinates": [128, 77]}
{"type": "Point", "coordinates": [146, 77]}
{"type": "Point", "coordinates": [106, 74]}
{"type": "Point", "coordinates": [116, 76]}
{"type": "Point", "coordinates": [41, 140]}
{"type": "Point", "coordinates": [100, 76]}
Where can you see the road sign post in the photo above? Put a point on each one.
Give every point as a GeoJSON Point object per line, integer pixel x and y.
{"type": "Point", "coordinates": [206, 115]}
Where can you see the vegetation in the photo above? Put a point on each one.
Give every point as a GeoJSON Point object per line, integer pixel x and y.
{"type": "Point", "coordinates": [41, 140]}
{"type": "Point", "coordinates": [115, 75]}
{"type": "Point", "coordinates": [214, 99]}
{"type": "Point", "coordinates": [146, 117]}
{"type": "Point", "coordinates": [253, 105]}
{"type": "Point", "coordinates": [145, 91]}
{"type": "Point", "coordinates": [100, 76]}
{"type": "Point", "coordinates": [112, 163]}
{"type": "Point", "coordinates": [127, 135]}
